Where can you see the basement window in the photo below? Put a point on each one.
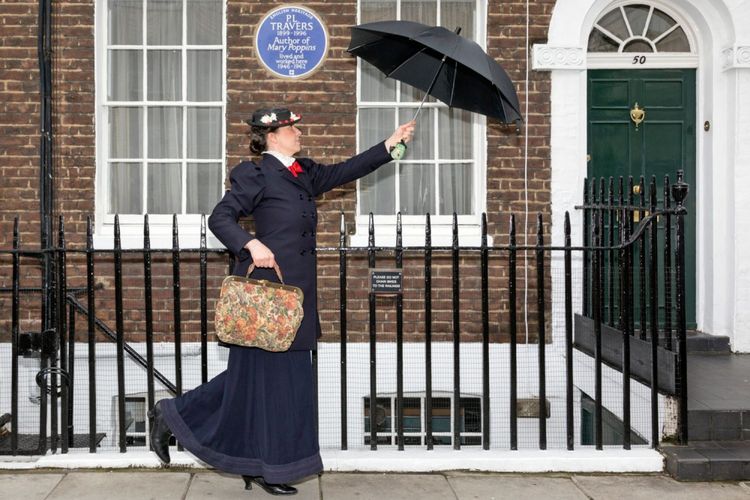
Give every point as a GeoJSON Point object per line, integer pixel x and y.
{"type": "Point", "coordinates": [470, 420]}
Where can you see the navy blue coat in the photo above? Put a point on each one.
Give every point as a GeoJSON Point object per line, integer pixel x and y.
{"type": "Point", "coordinates": [285, 220]}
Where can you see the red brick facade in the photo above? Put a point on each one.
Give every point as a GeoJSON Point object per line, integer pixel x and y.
{"type": "Point", "coordinates": [328, 102]}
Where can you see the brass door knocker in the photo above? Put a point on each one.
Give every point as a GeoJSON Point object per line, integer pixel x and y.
{"type": "Point", "coordinates": [637, 115]}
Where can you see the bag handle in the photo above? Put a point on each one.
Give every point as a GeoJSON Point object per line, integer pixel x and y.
{"type": "Point", "coordinates": [275, 268]}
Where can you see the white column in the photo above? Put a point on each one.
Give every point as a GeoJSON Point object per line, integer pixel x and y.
{"type": "Point", "coordinates": [740, 66]}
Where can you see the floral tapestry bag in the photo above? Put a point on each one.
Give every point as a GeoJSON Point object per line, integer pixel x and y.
{"type": "Point", "coordinates": [258, 313]}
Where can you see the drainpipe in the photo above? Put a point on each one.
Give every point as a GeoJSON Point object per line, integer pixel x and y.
{"type": "Point", "coordinates": [44, 51]}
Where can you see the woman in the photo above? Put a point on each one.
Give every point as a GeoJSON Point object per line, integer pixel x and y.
{"type": "Point", "coordinates": [257, 418]}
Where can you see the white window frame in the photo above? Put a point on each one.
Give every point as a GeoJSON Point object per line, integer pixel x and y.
{"type": "Point", "coordinates": [413, 226]}
{"type": "Point", "coordinates": [652, 60]}
{"type": "Point", "coordinates": [160, 225]}
{"type": "Point", "coordinates": [422, 434]}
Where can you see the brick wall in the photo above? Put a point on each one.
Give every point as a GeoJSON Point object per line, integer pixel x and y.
{"type": "Point", "coordinates": [19, 118]}
{"type": "Point", "coordinates": [327, 100]}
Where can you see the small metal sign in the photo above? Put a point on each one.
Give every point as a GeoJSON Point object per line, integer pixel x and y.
{"type": "Point", "coordinates": [386, 280]}
{"type": "Point", "coordinates": [291, 41]}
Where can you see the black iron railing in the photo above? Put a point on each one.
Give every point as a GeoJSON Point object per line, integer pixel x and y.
{"type": "Point", "coordinates": [621, 282]}
{"type": "Point", "coordinates": [605, 299]}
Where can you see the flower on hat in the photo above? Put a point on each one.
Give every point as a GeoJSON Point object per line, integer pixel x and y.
{"type": "Point", "coordinates": [292, 116]}
{"type": "Point", "coordinates": [268, 118]}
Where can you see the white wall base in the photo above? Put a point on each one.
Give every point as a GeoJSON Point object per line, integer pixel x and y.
{"type": "Point", "coordinates": [580, 460]}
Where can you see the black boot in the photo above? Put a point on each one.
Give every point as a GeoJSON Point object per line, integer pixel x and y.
{"type": "Point", "coordinates": [160, 433]}
{"type": "Point", "coordinates": [273, 489]}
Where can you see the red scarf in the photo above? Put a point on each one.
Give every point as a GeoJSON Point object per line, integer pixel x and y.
{"type": "Point", "coordinates": [295, 168]}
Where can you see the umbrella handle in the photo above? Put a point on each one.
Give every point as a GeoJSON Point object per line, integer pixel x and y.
{"type": "Point", "coordinates": [399, 150]}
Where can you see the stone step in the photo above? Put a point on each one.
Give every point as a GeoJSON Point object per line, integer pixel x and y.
{"type": "Point", "coordinates": [709, 461]}
{"type": "Point", "coordinates": [719, 425]}
{"type": "Point", "coordinates": [703, 342]}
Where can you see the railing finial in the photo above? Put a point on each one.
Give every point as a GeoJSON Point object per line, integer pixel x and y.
{"type": "Point", "coordinates": [680, 189]}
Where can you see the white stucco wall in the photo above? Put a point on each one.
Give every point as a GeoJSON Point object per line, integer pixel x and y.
{"type": "Point", "coordinates": [720, 33]}
{"type": "Point", "coordinates": [358, 388]}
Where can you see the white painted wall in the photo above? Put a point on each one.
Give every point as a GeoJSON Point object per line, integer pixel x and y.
{"type": "Point", "coordinates": [720, 31]}
{"type": "Point", "coordinates": [358, 387]}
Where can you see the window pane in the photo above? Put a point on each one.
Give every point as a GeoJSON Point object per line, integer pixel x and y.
{"type": "Point", "coordinates": [204, 133]}
{"type": "Point", "coordinates": [204, 187]}
{"type": "Point", "coordinates": [375, 125]}
{"type": "Point", "coordinates": [441, 440]}
{"type": "Point", "coordinates": [125, 133]}
{"type": "Point", "coordinates": [164, 75]}
{"type": "Point", "coordinates": [455, 189]}
{"type": "Point", "coordinates": [458, 13]}
{"type": "Point", "coordinates": [674, 42]}
{"type": "Point", "coordinates": [599, 42]}
{"type": "Point", "coordinates": [125, 193]}
{"type": "Point", "coordinates": [638, 46]}
{"type": "Point", "coordinates": [125, 75]}
{"type": "Point", "coordinates": [164, 188]}
{"type": "Point", "coordinates": [637, 15]}
{"type": "Point", "coordinates": [204, 75]}
{"type": "Point", "coordinates": [441, 415]}
{"type": "Point", "coordinates": [164, 132]}
{"type": "Point", "coordinates": [378, 191]}
{"type": "Point", "coordinates": [421, 11]}
{"type": "Point", "coordinates": [417, 188]}
{"type": "Point", "coordinates": [204, 22]}
{"type": "Point", "coordinates": [470, 409]}
{"type": "Point", "coordinates": [455, 128]}
{"type": "Point", "coordinates": [125, 22]}
{"type": "Point", "coordinates": [377, 10]}
{"type": "Point", "coordinates": [382, 415]}
{"type": "Point", "coordinates": [421, 145]}
{"type": "Point", "coordinates": [413, 94]}
{"type": "Point", "coordinates": [164, 24]}
{"type": "Point", "coordinates": [660, 22]}
{"type": "Point", "coordinates": [375, 86]}
{"type": "Point", "coordinates": [615, 24]}
{"type": "Point", "coordinates": [410, 440]}
{"type": "Point", "coordinates": [412, 417]}
{"type": "Point", "coordinates": [135, 411]}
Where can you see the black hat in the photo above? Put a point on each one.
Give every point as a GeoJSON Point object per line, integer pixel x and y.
{"type": "Point", "coordinates": [273, 118]}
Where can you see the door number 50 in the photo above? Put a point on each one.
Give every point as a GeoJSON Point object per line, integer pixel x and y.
{"type": "Point", "coordinates": [639, 60]}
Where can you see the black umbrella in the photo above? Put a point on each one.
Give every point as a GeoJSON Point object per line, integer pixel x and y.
{"type": "Point", "coordinates": [441, 63]}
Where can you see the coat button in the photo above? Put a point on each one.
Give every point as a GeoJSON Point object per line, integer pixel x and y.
{"type": "Point", "coordinates": [312, 234]}
{"type": "Point", "coordinates": [309, 198]}
{"type": "Point", "coordinates": [304, 214]}
{"type": "Point", "coordinates": [302, 252]}
{"type": "Point", "coordinates": [313, 251]}
{"type": "Point", "coordinates": [304, 233]}
{"type": "Point", "coordinates": [300, 196]}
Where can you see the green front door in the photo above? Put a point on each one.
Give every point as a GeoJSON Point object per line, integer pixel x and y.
{"type": "Point", "coordinates": [663, 143]}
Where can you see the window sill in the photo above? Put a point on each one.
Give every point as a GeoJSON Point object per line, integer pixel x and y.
{"type": "Point", "coordinates": [160, 233]}
{"type": "Point", "coordinates": [413, 234]}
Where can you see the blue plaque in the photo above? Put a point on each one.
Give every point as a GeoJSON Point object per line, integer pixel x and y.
{"type": "Point", "coordinates": [291, 41]}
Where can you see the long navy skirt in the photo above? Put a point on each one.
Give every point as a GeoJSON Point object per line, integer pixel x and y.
{"type": "Point", "coordinates": [256, 418]}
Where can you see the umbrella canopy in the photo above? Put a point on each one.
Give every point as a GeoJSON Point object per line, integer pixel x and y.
{"type": "Point", "coordinates": [439, 62]}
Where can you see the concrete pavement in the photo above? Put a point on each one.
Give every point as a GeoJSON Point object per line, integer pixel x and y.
{"type": "Point", "coordinates": [197, 485]}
